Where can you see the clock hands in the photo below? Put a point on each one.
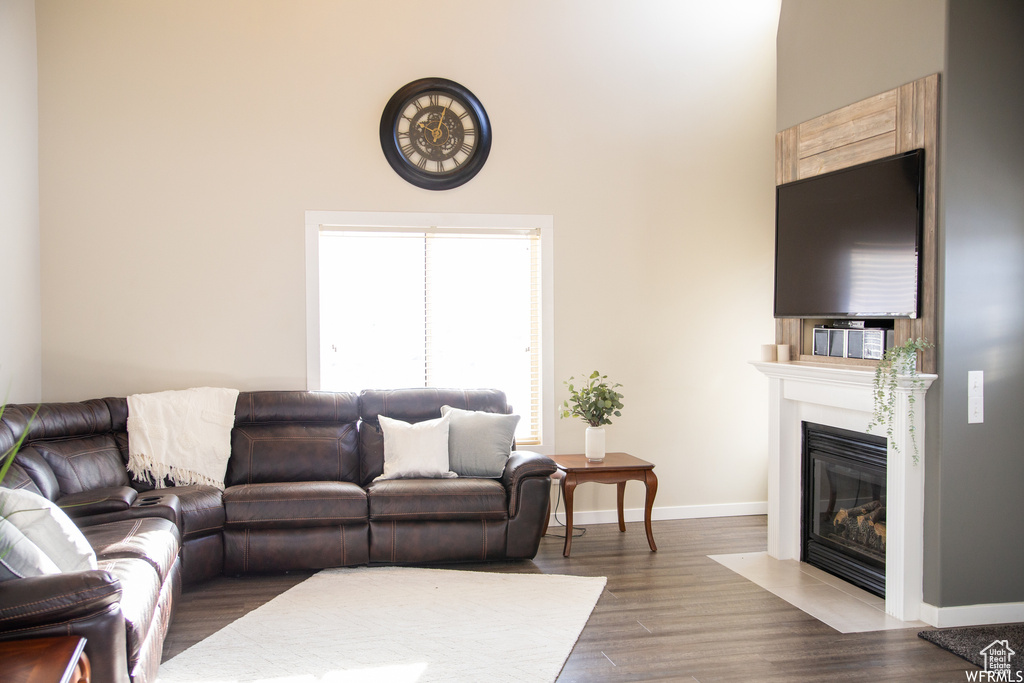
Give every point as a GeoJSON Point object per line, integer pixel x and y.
{"type": "Point", "coordinates": [435, 131]}
{"type": "Point", "coordinates": [440, 121]}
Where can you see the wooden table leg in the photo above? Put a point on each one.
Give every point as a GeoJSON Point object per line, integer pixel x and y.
{"type": "Point", "coordinates": [651, 482]}
{"type": "Point", "coordinates": [621, 496]}
{"type": "Point", "coordinates": [568, 486]}
{"type": "Point", "coordinates": [83, 671]}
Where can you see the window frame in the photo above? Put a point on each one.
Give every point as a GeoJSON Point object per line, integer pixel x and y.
{"type": "Point", "coordinates": [315, 221]}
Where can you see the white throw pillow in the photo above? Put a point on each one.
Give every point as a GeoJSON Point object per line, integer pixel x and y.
{"type": "Point", "coordinates": [37, 537]}
{"type": "Point", "coordinates": [418, 450]}
{"type": "Point", "coordinates": [479, 443]}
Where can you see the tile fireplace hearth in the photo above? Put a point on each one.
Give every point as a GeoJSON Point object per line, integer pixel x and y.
{"type": "Point", "coordinates": [841, 397]}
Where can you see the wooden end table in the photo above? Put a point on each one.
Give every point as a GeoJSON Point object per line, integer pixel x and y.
{"type": "Point", "coordinates": [616, 468]}
{"type": "Point", "coordinates": [60, 659]}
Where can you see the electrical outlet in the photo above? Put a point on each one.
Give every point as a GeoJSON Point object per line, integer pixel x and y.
{"type": "Point", "coordinates": [975, 396]}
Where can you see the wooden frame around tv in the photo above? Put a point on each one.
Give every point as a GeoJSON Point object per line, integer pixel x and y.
{"type": "Point", "coordinates": [894, 121]}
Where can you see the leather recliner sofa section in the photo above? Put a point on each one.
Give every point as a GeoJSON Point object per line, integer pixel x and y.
{"type": "Point", "coordinates": [438, 520]}
{"type": "Point", "coordinates": [300, 493]}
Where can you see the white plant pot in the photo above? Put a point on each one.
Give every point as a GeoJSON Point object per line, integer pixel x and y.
{"type": "Point", "coordinates": [595, 444]}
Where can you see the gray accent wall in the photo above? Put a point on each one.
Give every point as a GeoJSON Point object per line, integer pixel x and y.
{"type": "Point", "coordinates": [974, 550]}
{"type": "Point", "coordinates": [974, 538]}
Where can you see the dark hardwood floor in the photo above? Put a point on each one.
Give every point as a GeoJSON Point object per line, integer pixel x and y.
{"type": "Point", "coordinates": [674, 615]}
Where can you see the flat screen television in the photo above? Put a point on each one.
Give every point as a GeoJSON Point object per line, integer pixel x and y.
{"type": "Point", "coordinates": [848, 243]}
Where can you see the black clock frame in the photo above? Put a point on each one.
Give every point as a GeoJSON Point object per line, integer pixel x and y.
{"type": "Point", "coordinates": [392, 149]}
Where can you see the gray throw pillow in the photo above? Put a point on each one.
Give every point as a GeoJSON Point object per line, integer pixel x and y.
{"type": "Point", "coordinates": [37, 537]}
{"type": "Point", "coordinates": [479, 443]}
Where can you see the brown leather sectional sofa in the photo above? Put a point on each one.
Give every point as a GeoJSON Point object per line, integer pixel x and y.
{"type": "Point", "coordinates": [300, 494]}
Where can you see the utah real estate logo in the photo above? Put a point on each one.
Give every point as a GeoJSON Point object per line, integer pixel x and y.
{"type": "Point", "coordinates": [998, 667]}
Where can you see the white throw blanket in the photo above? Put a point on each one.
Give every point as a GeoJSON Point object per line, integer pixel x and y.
{"type": "Point", "coordinates": [184, 435]}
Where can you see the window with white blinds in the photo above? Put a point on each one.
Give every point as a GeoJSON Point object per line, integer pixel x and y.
{"type": "Point", "coordinates": [451, 307]}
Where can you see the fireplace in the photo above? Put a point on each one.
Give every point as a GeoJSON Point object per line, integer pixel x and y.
{"type": "Point", "coordinates": [841, 397]}
{"type": "Point", "coordinates": [843, 527]}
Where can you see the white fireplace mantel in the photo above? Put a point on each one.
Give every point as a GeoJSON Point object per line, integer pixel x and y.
{"type": "Point", "coordinates": [840, 396]}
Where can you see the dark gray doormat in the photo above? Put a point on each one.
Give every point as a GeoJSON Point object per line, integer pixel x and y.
{"type": "Point", "coordinates": [970, 642]}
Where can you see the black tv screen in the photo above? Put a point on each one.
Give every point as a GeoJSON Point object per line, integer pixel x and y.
{"type": "Point", "coordinates": [847, 243]}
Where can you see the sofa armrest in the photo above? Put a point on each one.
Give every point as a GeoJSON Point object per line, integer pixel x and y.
{"type": "Point", "coordinates": [86, 604]}
{"type": "Point", "coordinates": [97, 501]}
{"type": "Point", "coordinates": [523, 465]}
{"type": "Point", "coordinates": [148, 504]}
{"type": "Point", "coordinates": [38, 601]}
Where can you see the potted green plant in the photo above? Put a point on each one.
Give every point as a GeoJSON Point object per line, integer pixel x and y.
{"type": "Point", "coordinates": [595, 401]}
{"type": "Point", "coordinates": [7, 457]}
{"type": "Point", "coordinates": [6, 460]}
{"type": "Point", "coordinates": [897, 360]}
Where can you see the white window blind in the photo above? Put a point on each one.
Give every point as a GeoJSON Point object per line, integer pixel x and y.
{"type": "Point", "coordinates": [445, 307]}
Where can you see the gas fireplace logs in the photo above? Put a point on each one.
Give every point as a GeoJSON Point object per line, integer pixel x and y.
{"type": "Point", "coordinates": [864, 525]}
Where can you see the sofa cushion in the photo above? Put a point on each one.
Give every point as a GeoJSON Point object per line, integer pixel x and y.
{"type": "Point", "coordinates": [281, 452]}
{"type": "Point", "coordinates": [479, 443]}
{"type": "Point", "coordinates": [294, 505]}
{"type": "Point", "coordinates": [36, 467]}
{"type": "Point", "coordinates": [152, 539]}
{"type": "Point", "coordinates": [140, 592]}
{"type": "Point", "coordinates": [282, 550]}
{"type": "Point", "coordinates": [84, 463]}
{"type": "Point", "coordinates": [415, 405]}
{"type": "Point", "coordinates": [58, 420]}
{"type": "Point", "coordinates": [415, 450]}
{"type": "Point", "coordinates": [434, 542]}
{"type": "Point", "coordinates": [147, 665]}
{"type": "Point", "coordinates": [437, 499]}
{"type": "Point", "coordinates": [18, 478]}
{"type": "Point", "coordinates": [37, 538]}
{"type": "Point", "coordinates": [202, 509]}
{"type": "Point", "coordinates": [296, 406]}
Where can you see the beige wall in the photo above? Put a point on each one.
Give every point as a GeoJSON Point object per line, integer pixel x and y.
{"type": "Point", "coordinates": [20, 360]}
{"type": "Point", "coordinates": [831, 54]}
{"type": "Point", "coordinates": [182, 141]}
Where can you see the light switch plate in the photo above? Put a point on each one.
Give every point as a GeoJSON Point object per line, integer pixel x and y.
{"type": "Point", "coordinates": [975, 410]}
{"type": "Point", "coordinates": [975, 396]}
{"type": "Point", "coordinates": [975, 384]}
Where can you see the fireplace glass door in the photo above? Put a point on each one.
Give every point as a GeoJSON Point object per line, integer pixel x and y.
{"type": "Point", "coordinates": [844, 505]}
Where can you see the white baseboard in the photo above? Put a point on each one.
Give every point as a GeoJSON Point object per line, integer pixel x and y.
{"type": "Point", "coordinates": [972, 615]}
{"type": "Point", "coordinates": [583, 517]}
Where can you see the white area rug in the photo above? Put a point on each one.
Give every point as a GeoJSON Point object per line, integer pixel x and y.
{"type": "Point", "coordinates": [400, 624]}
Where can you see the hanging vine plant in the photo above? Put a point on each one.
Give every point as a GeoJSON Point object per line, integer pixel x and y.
{"type": "Point", "coordinates": [896, 361]}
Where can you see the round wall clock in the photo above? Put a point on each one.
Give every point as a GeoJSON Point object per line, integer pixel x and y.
{"type": "Point", "coordinates": [435, 133]}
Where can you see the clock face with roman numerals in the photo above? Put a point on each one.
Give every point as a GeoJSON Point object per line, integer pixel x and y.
{"type": "Point", "coordinates": [435, 133]}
